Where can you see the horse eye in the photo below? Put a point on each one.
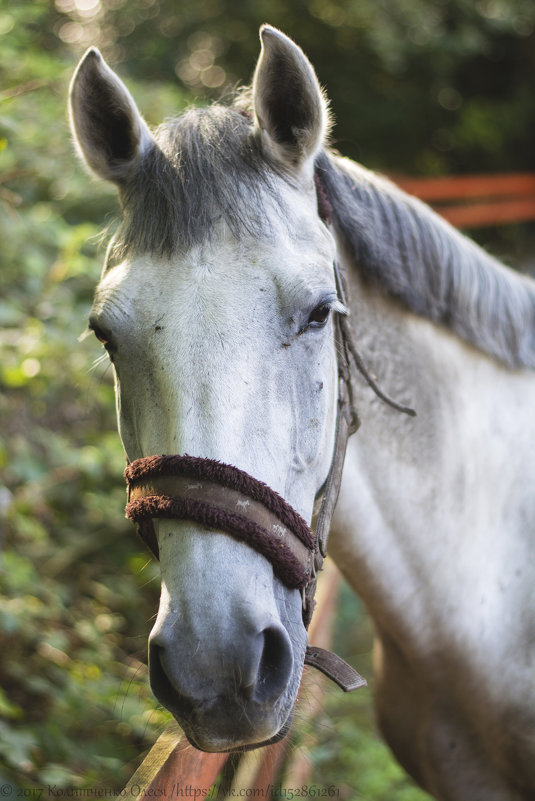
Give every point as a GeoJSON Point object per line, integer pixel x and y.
{"type": "Point", "coordinates": [100, 335]}
{"type": "Point", "coordinates": [319, 316]}
{"type": "Point", "coordinates": [101, 338]}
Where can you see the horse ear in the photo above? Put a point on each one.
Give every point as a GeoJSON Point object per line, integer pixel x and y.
{"type": "Point", "coordinates": [291, 111]}
{"type": "Point", "coordinates": [105, 121]}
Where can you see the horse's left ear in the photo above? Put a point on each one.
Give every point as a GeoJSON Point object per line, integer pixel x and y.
{"type": "Point", "coordinates": [290, 109]}
{"type": "Point", "coordinates": [108, 128]}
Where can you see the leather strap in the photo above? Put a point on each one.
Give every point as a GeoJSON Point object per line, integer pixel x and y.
{"type": "Point", "coordinates": [347, 422]}
{"type": "Point", "coordinates": [335, 668]}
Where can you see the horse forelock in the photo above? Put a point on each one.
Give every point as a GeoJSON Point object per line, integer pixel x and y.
{"type": "Point", "coordinates": [205, 166]}
{"type": "Point", "coordinates": [412, 254]}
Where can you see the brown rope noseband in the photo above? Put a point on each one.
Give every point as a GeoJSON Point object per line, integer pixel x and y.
{"type": "Point", "coordinates": [222, 497]}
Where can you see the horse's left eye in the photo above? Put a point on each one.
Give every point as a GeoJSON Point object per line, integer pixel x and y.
{"type": "Point", "coordinates": [319, 316]}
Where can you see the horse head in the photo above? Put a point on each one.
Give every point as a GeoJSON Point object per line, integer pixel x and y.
{"type": "Point", "coordinates": [217, 307]}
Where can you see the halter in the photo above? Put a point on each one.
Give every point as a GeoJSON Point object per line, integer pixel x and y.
{"type": "Point", "coordinates": [222, 497]}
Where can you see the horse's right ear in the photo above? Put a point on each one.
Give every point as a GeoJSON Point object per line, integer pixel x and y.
{"type": "Point", "coordinates": [106, 123]}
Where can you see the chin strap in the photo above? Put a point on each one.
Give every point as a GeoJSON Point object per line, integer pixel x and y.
{"type": "Point", "coordinates": [347, 422]}
{"type": "Point", "coordinates": [336, 668]}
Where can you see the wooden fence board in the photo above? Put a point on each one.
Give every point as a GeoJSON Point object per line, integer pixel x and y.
{"type": "Point", "coordinates": [170, 764]}
{"type": "Point", "coordinates": [453, 187]}
{"type": "Point", "coordinates": [495, 213]}
{"type": "Point", "coordinates": [480, 200]}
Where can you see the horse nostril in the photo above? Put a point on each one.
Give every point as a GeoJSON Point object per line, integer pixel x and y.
{"type": "Point", "coordinates": [160, 682]}
{"type": "Point", "coordinates": [275, 667]}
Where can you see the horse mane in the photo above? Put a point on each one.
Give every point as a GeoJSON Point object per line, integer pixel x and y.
{"type": "Point", "coordinates": [204, 166]}
{"type": "Point", "coordinates": [401, 245]}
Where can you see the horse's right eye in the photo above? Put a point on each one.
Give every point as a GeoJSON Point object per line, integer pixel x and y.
{"type": "Point", "coordinates": [100, 334]}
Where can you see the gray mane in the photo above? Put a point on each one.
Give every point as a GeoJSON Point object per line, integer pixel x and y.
{"type": "Point", "coordinates": [399, 244]}
{"type": "Point", "coordinates": [205, 166]}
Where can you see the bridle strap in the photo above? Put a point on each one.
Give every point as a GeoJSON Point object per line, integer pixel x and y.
{"type": "Point", "coordinates": [347, 422]}
{"type": "Point", "coordinates": [335, 668]}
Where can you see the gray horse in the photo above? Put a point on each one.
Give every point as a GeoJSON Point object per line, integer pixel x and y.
{"type": "Point", "coordinates": [217, 306]}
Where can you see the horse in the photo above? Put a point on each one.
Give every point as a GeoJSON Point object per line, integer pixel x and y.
{"type": "Point", "coordinates": [244, 243]}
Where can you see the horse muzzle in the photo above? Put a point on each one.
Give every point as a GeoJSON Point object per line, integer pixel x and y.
{"type": "Point", "coordinates": [236, 691]}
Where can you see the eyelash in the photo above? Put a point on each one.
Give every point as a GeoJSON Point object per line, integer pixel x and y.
{"type": "Point", "coordinates": [323, 312]}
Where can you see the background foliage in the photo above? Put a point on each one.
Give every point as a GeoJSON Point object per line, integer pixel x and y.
{"type": "Point", "coordinates": [417, 86]}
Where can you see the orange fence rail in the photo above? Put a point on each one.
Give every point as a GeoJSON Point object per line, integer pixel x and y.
{"type": "Point", "coordinates": [472, 201]}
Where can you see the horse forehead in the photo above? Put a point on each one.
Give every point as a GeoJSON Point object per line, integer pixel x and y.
{"type": "Point", "coordinates": [223, 274]}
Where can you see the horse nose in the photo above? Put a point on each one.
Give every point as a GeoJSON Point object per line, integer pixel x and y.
{"type": "Point", "coordinates": [254, 670]}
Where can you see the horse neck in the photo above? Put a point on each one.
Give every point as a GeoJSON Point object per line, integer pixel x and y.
{"type": "Point", "coordinates": [414, 515]}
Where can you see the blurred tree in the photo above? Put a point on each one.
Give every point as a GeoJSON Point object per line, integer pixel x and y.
{"type": "Point", "coordinates": [76, 590]}
{"type": "Point", "coordinates": [426, 86]}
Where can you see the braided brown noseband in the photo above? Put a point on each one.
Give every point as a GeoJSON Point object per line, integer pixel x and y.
{"type": "Point", "coordinates": [220, 496]}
